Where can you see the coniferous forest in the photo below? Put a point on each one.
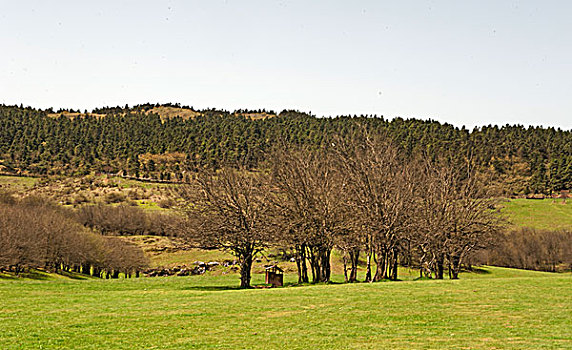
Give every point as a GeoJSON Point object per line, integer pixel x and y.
{"type": "Point", "coordinates": [146, 142]}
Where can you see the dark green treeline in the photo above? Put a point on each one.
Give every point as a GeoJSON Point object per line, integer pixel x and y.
{"type": "Point", "coordinates": [133, 142]}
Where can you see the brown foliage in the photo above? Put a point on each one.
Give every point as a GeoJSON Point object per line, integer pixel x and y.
{"type": "Point", "coordinates": [127, 220]}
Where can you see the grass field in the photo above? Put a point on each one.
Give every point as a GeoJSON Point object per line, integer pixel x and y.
{"type": "Point", "coordinates": [494, 308]}
{"type": "Point", "coordinates": [17, 183]}
{"type": "Point", "coordinates": [539, 213]}
{"type": "Point", "coordinates": [497, 308]}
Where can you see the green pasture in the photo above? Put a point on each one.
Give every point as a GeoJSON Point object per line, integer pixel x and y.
{"type": "Point", "coordinates": [494, 308]}
{"type": "Point", "coordinates": [550, 214]}
{"type": "Point", "coordinates": [17, 183]}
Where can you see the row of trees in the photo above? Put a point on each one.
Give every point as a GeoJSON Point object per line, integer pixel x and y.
{"type": "Point", "coordinates": [531, 249]}
{"type": "Point", "coordinates": [521, 159]}
{"type": "Point", "coordinates": [36, 234]}
{"type": "Point", "coordinates": [124, 220]}
{"type": "Point", "coordinates": [361, 197]}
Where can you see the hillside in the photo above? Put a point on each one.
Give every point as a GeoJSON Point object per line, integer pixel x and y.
{"type": "Point", "coordinates": [548, 214]}
{"type": "Point", "coordinates": [534, 213]}
{"type": "Point", "coordinates": [516, 160]}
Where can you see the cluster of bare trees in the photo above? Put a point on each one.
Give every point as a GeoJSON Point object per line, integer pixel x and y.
{"type": "Point", "coordinates": [36, 234]}
{"type": "Point", "coordinates": [360, 197]}
{"type": "Point", "coordinates": [126, 220]}
{"type": "Point", "coordinates": [531, 249]}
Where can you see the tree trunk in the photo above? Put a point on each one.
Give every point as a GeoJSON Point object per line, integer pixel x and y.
{"type": "Point", "coordinates": [315, 269]}
{"type": "Point", "coordinates": [439, 261]}
{"type": "Point", "coordinates": [304, 271]}
{"type": "Point", "coordinates": [368, 266]}
{"type": "Point", "coordinates": [245, 267]}
{"type": "Point", "coordinates": [354, 258]}
{"type": "Point", "coordinates": [455, 266]}
{"type": "Point", "coordinates": [387, 264]}
{"type": "Point", "coordinates": [299, 268]}
{"type": "Point", "coordinates": [326, 268]}
{"type": "Point", "coordinates": [313, 256]}
{"type": "Point", "coordinates": [393, 273]}
{"type": "Point", "coordinates": [301, 264]}
{"type": "Point", "coordinates": [345, 261]}
{"type": "Point", "coordinates": [380, 272]}
{"type": "Point", "coordinates": [320, 263]}
{"type": "Point", "coordinates": [85, 269]}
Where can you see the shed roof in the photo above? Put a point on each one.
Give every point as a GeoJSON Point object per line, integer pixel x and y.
{"type": "Point", "coordinates": [274, 267]}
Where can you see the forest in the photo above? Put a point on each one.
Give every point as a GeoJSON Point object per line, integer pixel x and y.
{"type": "Point", "coordinates": [360, 195]}
{"type": "Point", "coordinates": [161, 142]}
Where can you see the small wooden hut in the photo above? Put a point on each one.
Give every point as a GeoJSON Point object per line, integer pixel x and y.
{"type": "Point", "coordinates": [274, 276]}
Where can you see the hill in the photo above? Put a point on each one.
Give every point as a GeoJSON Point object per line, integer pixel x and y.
{"type": "Point", "coordinates": [516, 159]}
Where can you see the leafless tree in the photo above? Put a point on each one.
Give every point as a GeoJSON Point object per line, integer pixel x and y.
{"type": "Point", "coordinates": [37, 234]}
{"type": "Point", "coordinates": [533, 249]}
{"type": "Point", "coordinates": [381, 192]}
{"type": "Point", "coordinates": [455, 217]}
{"type": "Point", "coordinates": [310, 207]}
{"type": "Point", "coordinates": [228, 209]}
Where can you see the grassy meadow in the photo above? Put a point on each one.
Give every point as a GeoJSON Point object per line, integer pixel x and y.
{"type": "Point", "coordinates": [490, 308]}
{"type": "Point", "coordinates": [550, 214]}
{"type": "Point", "coordinates": [495, 308]}
{"type": "Point", "coordinates": [17, 183]}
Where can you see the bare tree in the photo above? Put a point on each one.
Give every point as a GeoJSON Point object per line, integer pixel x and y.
{"type": "Point", "coordinates": [228, 210]}
{"type": "Point", "coordinates": [36, 234]}
{"type": "Point", "coordinates": [455, 217]}
{"type": "Point", "coordinates": [528, 248]}
{"type": "Point", "coordinates": [310, 207]}
{"type": "Point", "coordinates": [381, 192]}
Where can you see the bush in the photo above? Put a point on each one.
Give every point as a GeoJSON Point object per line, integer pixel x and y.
{"type": "Point", "coordinates": [166, 203]}
{"type": "Point", "coordinates": [115, 197]}
{"type": "Point", "coordinates": [126, 220]}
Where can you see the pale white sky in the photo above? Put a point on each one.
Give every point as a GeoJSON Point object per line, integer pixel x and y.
{"type": "Point", "coordinates": [464, 62]}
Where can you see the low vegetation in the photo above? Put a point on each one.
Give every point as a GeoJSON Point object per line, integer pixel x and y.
{"type": "Point", "coordinates": [532, 249]}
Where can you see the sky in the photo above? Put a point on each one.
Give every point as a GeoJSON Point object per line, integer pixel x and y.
{"type": "Point", "coordinates": [469, 63]}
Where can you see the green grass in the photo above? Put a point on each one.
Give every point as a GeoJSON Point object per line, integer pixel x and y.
{"type": "Point", "coordinates": [497, 308]}
{"type": "Point", "coordinates": [188, 257]}
{"type": "Point", "coordinates": [148, 205]}
{"type": "Point", "coordinates": [130, 183]}
{"type": "Point", "coordinates": [17, 183]}
{"type": "Point", "coordinates": [539, 213]}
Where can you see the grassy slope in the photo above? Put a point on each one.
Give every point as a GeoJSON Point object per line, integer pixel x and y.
{"type": "Point", "coordinates": [541, 214]}
{"type": "Point", "coordinates": [503, 309]}
{"type": "Point", "coordinates": [17, 183]}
